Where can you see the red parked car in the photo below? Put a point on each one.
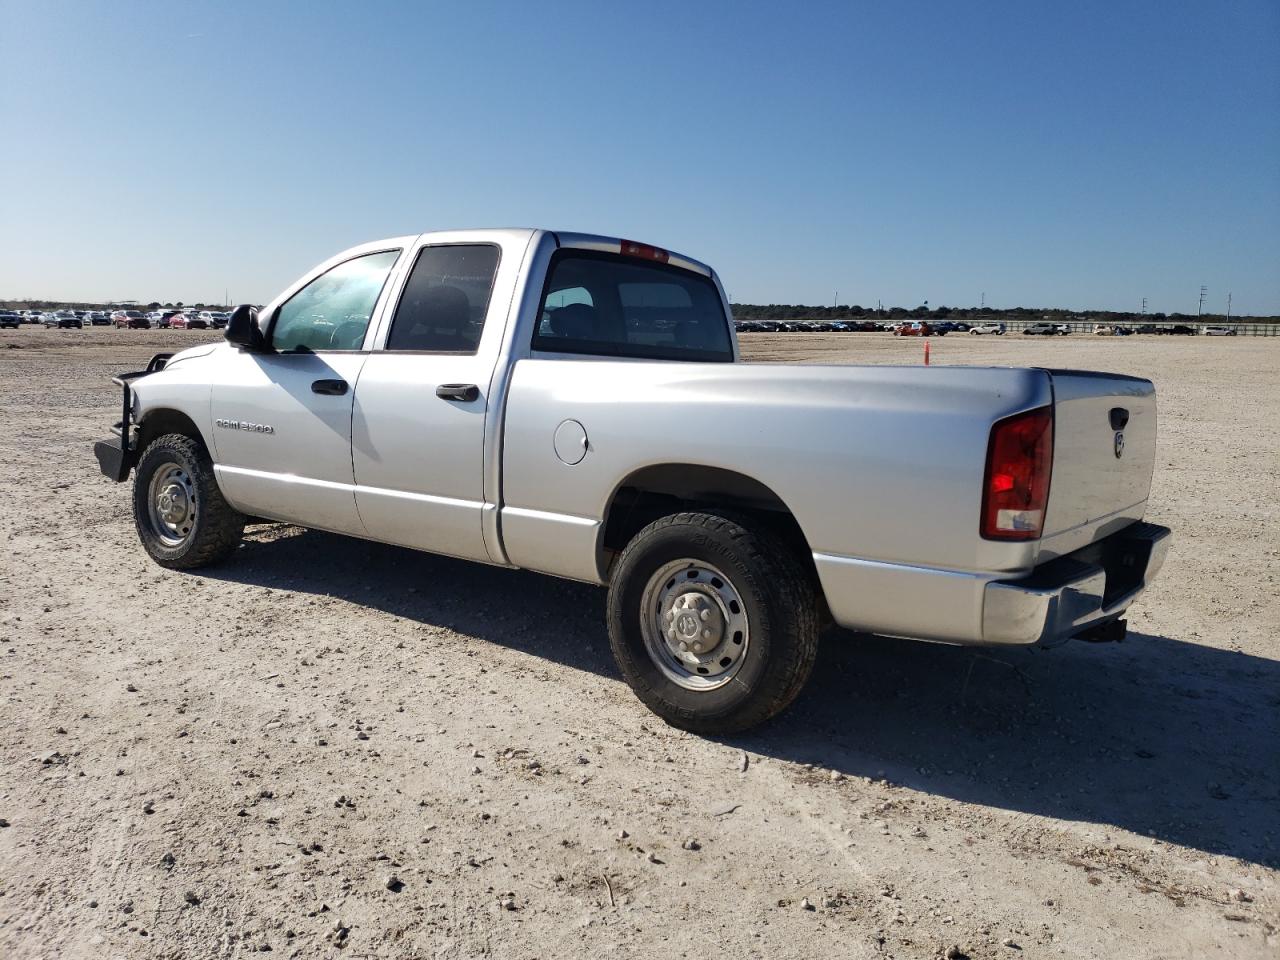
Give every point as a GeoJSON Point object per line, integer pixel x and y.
{"type": "Point", "coordinates": [918, 328]}
{"type": "Point", "coordinates": [131, 320]}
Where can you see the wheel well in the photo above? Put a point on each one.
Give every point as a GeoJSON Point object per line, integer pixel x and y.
{"type": "Point", "coordinates": [157, 423]}
{"type": "Point", "coordinates": [660, 490]}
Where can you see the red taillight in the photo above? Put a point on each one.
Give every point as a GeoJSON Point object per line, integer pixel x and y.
{"type": "Point", "coordinates": [645, 252]}
{"type": "Point", "coordinates": [1015, 490]}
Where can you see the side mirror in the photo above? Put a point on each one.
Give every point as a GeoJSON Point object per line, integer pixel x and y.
{"type": "Point", "coordinates": [243, 329]}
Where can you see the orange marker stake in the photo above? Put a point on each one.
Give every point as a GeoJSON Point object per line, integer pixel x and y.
{"type": "Point", "coordinates": [926, 352]}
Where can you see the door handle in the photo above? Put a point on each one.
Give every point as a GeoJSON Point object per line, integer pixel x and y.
{"type": "Point", "coordinates": [330, 388]}
{"type": "Point", "coordinates": [465, 392]}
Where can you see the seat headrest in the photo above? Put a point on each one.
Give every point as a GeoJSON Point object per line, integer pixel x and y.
{"type": "Point", "coordinates": [574, 321]}
{"type": "Point", "coordinates": [447, 308]}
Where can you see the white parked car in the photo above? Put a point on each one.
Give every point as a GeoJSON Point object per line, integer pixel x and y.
{"type": "Point", "coordinates": [983, 328]}
{"type": "Point", "coordinates": [1218, 331]}
{"type": "Point", "coordinates": [574, 405]}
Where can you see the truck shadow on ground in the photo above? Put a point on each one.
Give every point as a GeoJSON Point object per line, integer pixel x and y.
{"type": "Point", "coordinates": [1162, 737]}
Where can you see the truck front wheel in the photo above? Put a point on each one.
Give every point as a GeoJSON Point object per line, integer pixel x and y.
{"type": "Point", "coordinates": [713, 625]}
{"type": "Point", "coordinates": [182, 518]}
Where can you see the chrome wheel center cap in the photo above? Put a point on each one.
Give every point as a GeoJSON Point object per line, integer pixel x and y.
{"type": "Point", "coordinates": [172, 502]}
{"type": "Point", "coordinates": [694, 626]}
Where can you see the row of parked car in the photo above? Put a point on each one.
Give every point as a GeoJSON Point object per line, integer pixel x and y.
{"type": "Point", "coordinates": [940, 328]}
{"type": "Point", "coordinates": [178, 319]}
{"type": "Point", "coordinates": [169, 319]}
{"type": "Point", "coordinates": [62, 318]}
{"type": "Point", "coordinates": [899, 328]}
{"type": "Point", "coordinates": [929, 328]}
{"type": "Point", "coordinates": [1120, 330]}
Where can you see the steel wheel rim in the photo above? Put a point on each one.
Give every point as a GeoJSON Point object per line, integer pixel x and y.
{"type": "Point", "coordinates": [695, 625]}
{"type": "Point", "coordinates": [171, 504]}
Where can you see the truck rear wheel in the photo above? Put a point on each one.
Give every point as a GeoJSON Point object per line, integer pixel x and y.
{"type": "Point", "coordinates": [713, 625]}
{"type": "Point", "coordinates": [181, 516]}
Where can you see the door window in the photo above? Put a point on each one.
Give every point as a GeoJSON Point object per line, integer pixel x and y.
{"type": "Point", "coordinates": [332, 311]}
{"type": "Point", "coordinates": [445, 299]}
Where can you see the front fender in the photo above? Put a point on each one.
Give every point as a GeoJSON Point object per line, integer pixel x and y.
{"type": "Point", "coordinates": [176, 399]}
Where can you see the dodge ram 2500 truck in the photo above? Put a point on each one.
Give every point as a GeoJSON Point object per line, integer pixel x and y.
{"type": "Point", "coordinates": [576, 405]}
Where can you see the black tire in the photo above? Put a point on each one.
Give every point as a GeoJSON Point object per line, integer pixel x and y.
{"type": "Point", "coordinates": [781, 607]}
{"type": "Point", "coordinates": [215, 527]}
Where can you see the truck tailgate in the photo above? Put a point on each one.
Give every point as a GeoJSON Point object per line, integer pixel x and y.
{"type": "Point", "coordinates": [1104, 438]}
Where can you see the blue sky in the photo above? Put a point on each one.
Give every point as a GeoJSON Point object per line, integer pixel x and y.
{"type": "Point", "coordinates": [1079, 155]}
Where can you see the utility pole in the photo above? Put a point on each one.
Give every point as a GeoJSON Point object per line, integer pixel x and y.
{"type": "Point", "coordinates": [983, 305]}
{"type": "Point", "coordinates": [1144, 306]}
{"type": "Point", "coordinates": [1204, 291]}
{"type": "Point", "coordinates": [835, 298]}
{"type": "Point", "coordinates": [1228, 305]}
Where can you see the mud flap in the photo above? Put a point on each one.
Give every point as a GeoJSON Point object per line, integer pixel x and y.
{"type": "Point", "coordinates": [114, 461]}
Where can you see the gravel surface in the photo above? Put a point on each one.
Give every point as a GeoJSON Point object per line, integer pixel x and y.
{"type": "Point", "coordinates": [328, 747]}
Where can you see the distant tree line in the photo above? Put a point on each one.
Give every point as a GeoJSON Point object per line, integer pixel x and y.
{"type": "Point", "coordinates": [792, 311]}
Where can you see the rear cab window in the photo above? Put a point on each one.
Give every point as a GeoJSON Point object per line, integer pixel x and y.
{"type": "Point", "coordinates": [609, 305]}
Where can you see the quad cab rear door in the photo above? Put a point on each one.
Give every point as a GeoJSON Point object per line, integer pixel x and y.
{"type": "Point", "coordinates": [425, 421]}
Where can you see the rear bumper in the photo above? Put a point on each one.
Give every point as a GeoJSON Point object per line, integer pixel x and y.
{"type": "Point", "coordinates": [1076, 593]}
{"type": "Point", "coordinates": [1063, 598]}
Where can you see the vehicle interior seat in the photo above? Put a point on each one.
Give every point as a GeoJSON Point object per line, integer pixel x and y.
{"type": "Point", "coordinates": [348, 336]}
{"type": "Point", "coordinates": [575, 321]}
{"type": "Point", "coordinates": [441, 318]}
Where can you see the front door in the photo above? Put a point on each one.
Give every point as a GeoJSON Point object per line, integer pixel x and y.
{"type": "Point", "coordinates": [282, 418]}
{"type": "Point", "coordinates": [419, 421]}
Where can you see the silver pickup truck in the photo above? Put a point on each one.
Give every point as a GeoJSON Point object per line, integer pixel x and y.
{"type": "Point", "coordinates": [576, 405]}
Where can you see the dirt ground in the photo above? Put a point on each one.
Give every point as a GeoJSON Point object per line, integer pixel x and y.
{"type": "Point", "coordinates": [242, 759]}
